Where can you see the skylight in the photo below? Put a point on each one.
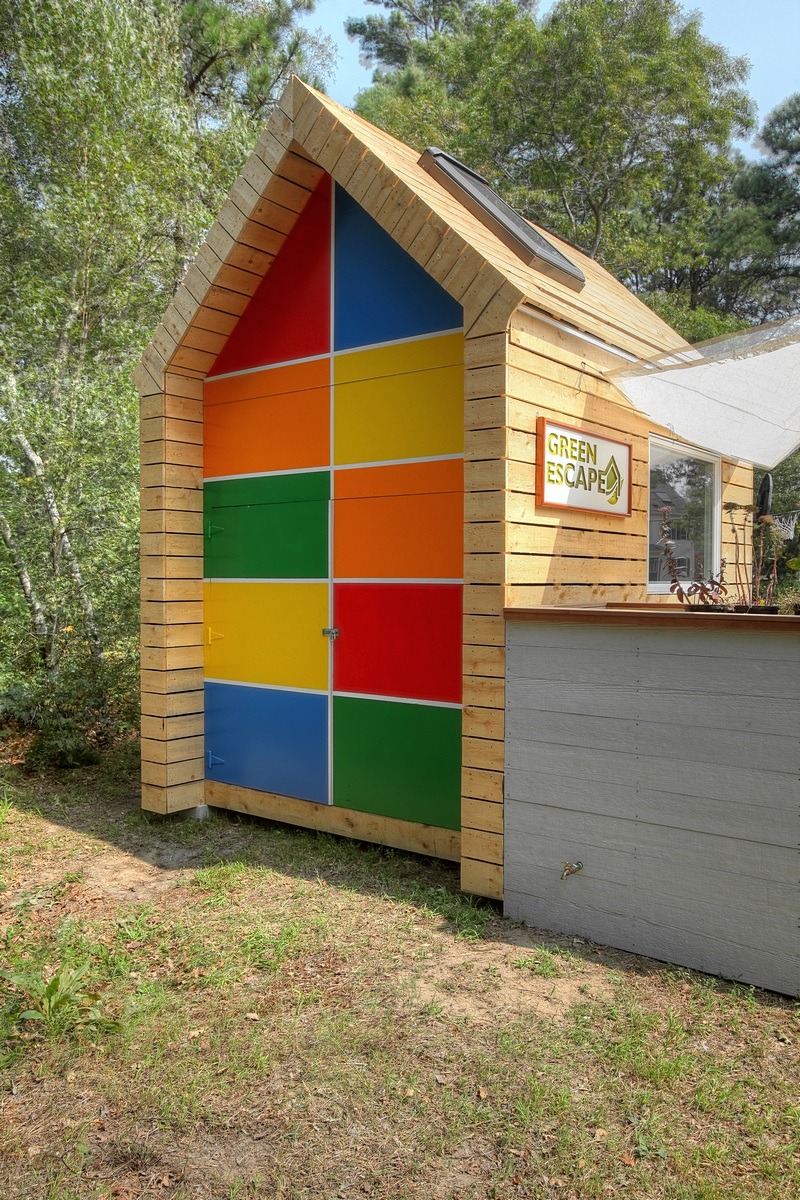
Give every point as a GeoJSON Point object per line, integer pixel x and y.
{"type": "Point", "coordinates": [483, 202]}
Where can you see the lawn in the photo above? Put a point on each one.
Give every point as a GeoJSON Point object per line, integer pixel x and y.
{"type": "Point", "coordinates": [235, 1009]}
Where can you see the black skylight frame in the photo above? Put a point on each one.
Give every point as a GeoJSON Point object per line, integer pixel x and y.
{"type": "Point", "coordinates": [483, 202]}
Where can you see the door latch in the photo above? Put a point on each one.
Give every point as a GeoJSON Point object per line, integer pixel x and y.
{"type": "Point", "coordinates": [330, 633]}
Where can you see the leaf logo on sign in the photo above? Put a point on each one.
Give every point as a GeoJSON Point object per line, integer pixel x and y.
{"type": "Point", "coordinates": [612, 481]}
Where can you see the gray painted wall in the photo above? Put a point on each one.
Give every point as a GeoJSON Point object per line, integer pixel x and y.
{"type": "Point", "coordinates": [667, 761]}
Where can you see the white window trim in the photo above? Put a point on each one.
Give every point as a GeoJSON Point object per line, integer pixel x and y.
{"type": "Point", "coordinates": [662, 589]}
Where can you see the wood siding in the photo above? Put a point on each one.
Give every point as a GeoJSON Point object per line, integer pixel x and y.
{"type": "Point", "coordinates": [666, 761]}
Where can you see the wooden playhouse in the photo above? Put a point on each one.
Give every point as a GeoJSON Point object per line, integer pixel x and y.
{"type": "Point", "coordinates": [339, 488]}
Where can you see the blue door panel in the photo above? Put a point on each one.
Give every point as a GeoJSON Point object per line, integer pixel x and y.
{"type": "Point", "coordinates": [268, 739]}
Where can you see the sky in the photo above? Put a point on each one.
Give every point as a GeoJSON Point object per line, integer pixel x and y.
{"type": "Point", "coordinates": [767, 32]}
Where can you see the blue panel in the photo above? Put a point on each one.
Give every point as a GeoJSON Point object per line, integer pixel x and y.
{"type": "Point", "coordinates": [268, 740]}
{"type": "Point", "coordinates": [380, 293]}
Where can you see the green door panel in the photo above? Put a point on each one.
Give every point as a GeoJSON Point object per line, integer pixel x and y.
{"type": "Point", "coordinates": [273, 527]}
{"type": "Point", "coordinates": [398, 760]}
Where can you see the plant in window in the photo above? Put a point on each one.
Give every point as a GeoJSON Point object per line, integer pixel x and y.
{"type": "Point", "coordinates": [755, 584]}
{"type": "Point", "coordinates": [694, 593]}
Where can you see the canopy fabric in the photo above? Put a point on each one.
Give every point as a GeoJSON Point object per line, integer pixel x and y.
{"type": "Point", "coordinates": [738, 396]}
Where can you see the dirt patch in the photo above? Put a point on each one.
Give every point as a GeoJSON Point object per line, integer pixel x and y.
{"type": "Point", "coordinates": [482, 980]}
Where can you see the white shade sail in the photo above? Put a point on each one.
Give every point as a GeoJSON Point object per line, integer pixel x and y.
{"type": "Point", "coordinates": [738, 396]}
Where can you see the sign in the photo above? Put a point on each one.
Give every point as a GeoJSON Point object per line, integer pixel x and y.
{"type": "Point", "coordinates": [580, 470]}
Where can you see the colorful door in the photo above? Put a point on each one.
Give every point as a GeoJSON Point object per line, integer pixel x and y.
{"type": "Point", "coordinates": [334, 528]}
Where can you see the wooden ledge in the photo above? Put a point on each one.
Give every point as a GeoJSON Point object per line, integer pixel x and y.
{"type": "Point", "coordinates": [665, 615]}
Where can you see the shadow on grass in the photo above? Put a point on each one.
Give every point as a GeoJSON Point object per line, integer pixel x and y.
{"type": "Point", "coordinates": [104, 803]}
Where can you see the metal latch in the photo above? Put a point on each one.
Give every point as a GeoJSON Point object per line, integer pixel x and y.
{"type": "Point", "coordinates": [330, 633]}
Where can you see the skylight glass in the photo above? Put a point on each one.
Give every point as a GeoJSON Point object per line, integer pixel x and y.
{"type": "Point", "coordinates": [482, 201]}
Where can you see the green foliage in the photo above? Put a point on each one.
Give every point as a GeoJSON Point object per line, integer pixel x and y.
{"type": "Point", "coordinates": [601, 120]}
{"type": "Point", "coordinates": [696, 324]}
{"type": "Point", "coordinates": [122, 127]}
{"type": "Point", "coordinates": [59, 1000]}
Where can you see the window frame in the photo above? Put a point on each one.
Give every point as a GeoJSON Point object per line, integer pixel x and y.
{"type": "Point", "coordinates": [688, 451]}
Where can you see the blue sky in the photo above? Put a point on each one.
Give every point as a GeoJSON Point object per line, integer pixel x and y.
{"type": "Point", "coordinates": [767, 32]}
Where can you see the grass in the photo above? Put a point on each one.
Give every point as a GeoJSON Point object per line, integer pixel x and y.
{"type": "Point", "coordinates": [242, 1010]}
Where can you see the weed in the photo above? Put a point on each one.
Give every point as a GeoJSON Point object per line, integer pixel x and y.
{"type": "Point", "coordinates": [61, 1001]}
{"type": "Point", "coordinates": [540, 961]}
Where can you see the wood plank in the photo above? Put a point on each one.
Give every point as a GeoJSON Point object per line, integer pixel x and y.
{"type": "Point", "coordinates": [483, 722]}
{"type": "Point", "coordinates": [166, 751]}
{"type": "Point", "coordinates": [169, 407]}
{"type": "Point", "coordinates": [169, 682]}
{"type": "Point", "coordinates": [163, 612]}
{"type": "Point", "coordinates": [172, 475]}
{"type": "Point", "coordinates": [486, 351]}
{"type": "Point", "coordinates": [483, 599]}
{"type": "Point", "coordinates": [169, 658]}
{"type": "Point", "coordinates": [155, 566]}
{"type": "Point", "coordinates": [488, 475]}
{"type": "Point", "coordinates": [318, 137]}
{"type": "Point", "coordinates": [484, 568]}
{"type": "Point", "coordinates": [172, 634]}
{"type": "Point", "coordinates": [485, 506]}
{"type": "Point", "coordinates": [164, 520]}
{"type": "Point", "coordinates": [172, 589]}
{"type": "Point", "coordinates": [481, 814]}
{"type": "Point", "coordinates": [484, 631]}
{"type": "Point", "coordinates": [166, 774]}
{"type": "Point", "coordinates": [165, 728]}
{"type": "Point", "coordinates": [178, 544]}
{"type": "Point", "coordinates": [485, 660]}
{"type": "Point", "coordinates": [481, 845]}
{"type": "Point", "coordinates": [347, 161]}
{"type": "Point", "coordinates": [174, 799]}
{"type": "Point", "coordinates": [484, 690]}
{"type": "Point", "coordinates": [172, 704]}
{"type": "Point", "coordinates": [483, 753]}
{"type": "Point", "coordinates": [177, 385]}
{"type": "Point", "coordinates": [171, 429]}
{"type": "Point", "coordinates": [387, 831]}
{"type": "Point", "coordinates": [186, 500]}
{"type": "Point", "coordinates": [331, 151]}
{"type": "Point", "coordinates": [488, 312]}
{"type": "Point", "coordinates": [482, 879]}
{"type": "Point", "coordinates": [544, 568]}
{"type": "Point", "coordinates": [482, 785]}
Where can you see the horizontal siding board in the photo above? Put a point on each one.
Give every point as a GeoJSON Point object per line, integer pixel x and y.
{"type": "Point", "coordinates": [665, 731]}
{"type": "Point", "coordinates": [656, 805]}
{"type": "Point", "coordinates": [699, 949]}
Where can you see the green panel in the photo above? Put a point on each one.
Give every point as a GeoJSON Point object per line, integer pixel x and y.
{"type": "Point", "coordinates": [267, 527]}
{"type": "Point", "coordinates": [267, 489]}
{"type": "Point", "coordinates": [398, 760]}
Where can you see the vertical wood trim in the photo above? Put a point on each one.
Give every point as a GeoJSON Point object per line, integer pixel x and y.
{"type": "Point", "coordinates": [171, 521]}
{"type": "Point", "coordinates": [483, 721]}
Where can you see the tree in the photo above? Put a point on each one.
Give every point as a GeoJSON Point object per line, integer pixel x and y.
{"type": "Point", "coordinates": [108, 178]}
{"type": "Point", "coordinates": [593, 121]}
{"type": "Point", "coordinates": [396, 41]}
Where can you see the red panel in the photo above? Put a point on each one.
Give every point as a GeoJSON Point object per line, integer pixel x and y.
{"type": "Point", "coordinates": [289, 315]}
{"type": "Point", "coordinates": [399, 639]}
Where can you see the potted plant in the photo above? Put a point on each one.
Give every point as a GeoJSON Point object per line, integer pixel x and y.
{"type": "Point", "coordinates": [756, 583]}
{"type": "Point", "coordinates": [703, 595]}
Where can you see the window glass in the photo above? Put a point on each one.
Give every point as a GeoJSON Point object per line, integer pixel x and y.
{"type": "Point", "coordinates": [687, 485]}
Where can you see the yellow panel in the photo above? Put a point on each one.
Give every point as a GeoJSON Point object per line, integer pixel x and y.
{"type": "Point", "coordinates": [400, 402]}
{"type": "Point", "coordinates": [420, 355]}
{"type": "Point", "coordinates": [267, 633]}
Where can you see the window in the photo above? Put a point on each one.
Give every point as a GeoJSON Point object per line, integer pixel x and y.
{"type": "Point", "coordinates": [688, 484]}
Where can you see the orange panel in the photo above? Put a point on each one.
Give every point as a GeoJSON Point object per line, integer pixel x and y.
{"type": "Point", "coordinates": [399, 537]}
{"type": "Point", "coordinates": [270, 421]}
{"type": "Point", "coordinates": [404, 479]}
{"type": "Point", "coordinates": [272, 381]}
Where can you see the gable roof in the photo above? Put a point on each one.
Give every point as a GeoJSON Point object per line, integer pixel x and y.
{"type": "Point", "coordinates": [308, 134]}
